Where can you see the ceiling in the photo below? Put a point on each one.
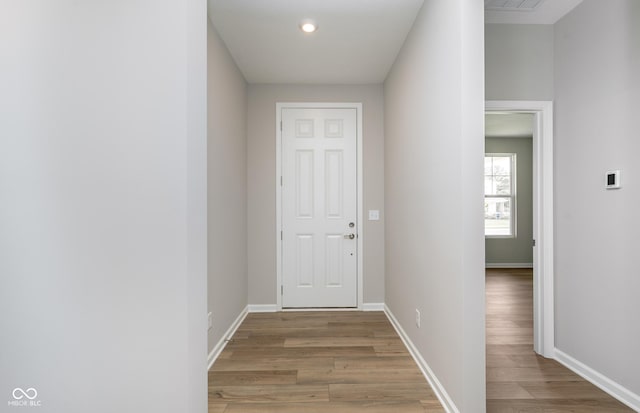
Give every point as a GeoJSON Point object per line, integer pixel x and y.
{"type": "Point", "coordinates": [508, 125]}
{"type": "Point", "coordinates": [527, 11]}
{"type": "Point", "coordinates": [357, 41]}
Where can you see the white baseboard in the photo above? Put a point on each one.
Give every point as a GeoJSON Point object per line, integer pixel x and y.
{"type": "Point", "coordinates": [373, 307]}
{"type": "Point", "coordinates": [217, 349]}
{"type": "Point", "coordinates": [437, 387]}
{"type": "Point", "coordinates": [263, 308]}
{"type": "Point", "coordinates": [508, 265]}
{"type": "Point", "coordinates": [621, 393]}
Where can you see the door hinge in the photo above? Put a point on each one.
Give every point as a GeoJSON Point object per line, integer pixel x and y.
{"type": "Point", "coordinates": [282, 290]}
{"type": "Point", "coordinates": [534, 243]}
{"type": "Point", "coordinates": [280, 126]}
{"type": "Point", "coordinates": [281, 236]}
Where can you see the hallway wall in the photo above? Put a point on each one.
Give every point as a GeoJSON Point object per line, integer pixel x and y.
{"type": "Point", "coordinates": [434, 158]}
{"type": "Point", "coordinates": [102, 205]}
{"type": "Point", "coordinates": [597, 54]}
{"type": "Point", "coordinates": [261, 159]}
{"type": "Point", "coordinates": [227, 188]}
{"type": "Point", "coordinates": [519, 62]}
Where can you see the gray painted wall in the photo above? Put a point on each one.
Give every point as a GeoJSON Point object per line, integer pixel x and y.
{"type": "Point", "coordinates": [262, 185]}
{"type": "Point", "coordinates": [103, 205]}
{"type": "Point", "coordinates": [519, 62]}
{"type": "Point", "coordinates": [518, 249]}
{"type": "Point", "coordinates": [597, 54]}
{"type": "Point", "coordinates": [227, 187]}
{"type": "Point", "coordinates": [434, 143]}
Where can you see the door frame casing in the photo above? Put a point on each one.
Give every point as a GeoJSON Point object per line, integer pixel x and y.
{"type": "Point", "coordinates": [543, 220]}
{"type": "Point", "coordinates": [359, 180]}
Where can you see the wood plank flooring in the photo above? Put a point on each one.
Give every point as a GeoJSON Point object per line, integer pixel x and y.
{"type": "Point", "coordinates": [518, 380]}
{"type": "Point", "coordinates": [318, 362]}
{"type": "Point", "coordinates": [343, 362]}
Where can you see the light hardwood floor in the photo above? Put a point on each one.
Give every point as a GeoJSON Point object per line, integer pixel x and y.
{"type": "Point", "coordinates": [518, 380]}
{"type": "Point", "coordinates": [343, 362]}
{"type": "Point", "coordinates": [318, 362]}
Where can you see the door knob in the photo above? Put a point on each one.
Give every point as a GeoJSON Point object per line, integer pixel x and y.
{"type": "Point", "coordinates": [349, 236]}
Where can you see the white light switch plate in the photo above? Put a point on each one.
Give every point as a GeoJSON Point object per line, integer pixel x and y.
{"type": "Point", "coordinates": [374, 215]}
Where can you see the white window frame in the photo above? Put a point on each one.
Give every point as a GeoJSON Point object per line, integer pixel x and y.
{"type": "Point", "coordinates": [514, 210]}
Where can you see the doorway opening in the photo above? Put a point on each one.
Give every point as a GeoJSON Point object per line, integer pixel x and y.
{"type": "Point", "coordinates": [542, 215]}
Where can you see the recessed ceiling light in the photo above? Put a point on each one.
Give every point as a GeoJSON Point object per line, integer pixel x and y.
{"type": "Point", "coordinates": [308, 26]}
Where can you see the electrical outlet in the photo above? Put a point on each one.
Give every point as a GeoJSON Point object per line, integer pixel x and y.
{"type": "Point", "coordinates": [417, 318]}
{"type": "Point", "coordinates": [209, 321]}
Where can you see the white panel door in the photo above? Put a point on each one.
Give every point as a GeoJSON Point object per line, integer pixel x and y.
{"type": "Point", "coordinates": [319, 204]}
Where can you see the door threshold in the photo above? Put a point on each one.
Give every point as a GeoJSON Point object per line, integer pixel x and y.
{"type": "Point", "coordinates": [294, 309]}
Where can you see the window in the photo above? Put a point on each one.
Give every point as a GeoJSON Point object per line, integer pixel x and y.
{"type": "Point", "coordinates": [500, 195]}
